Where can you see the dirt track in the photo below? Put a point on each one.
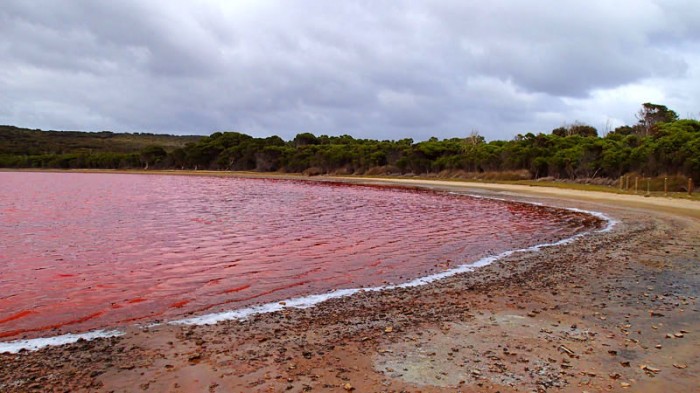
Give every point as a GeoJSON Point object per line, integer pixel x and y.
{"type": "Point", "coordinates": [610, 312]}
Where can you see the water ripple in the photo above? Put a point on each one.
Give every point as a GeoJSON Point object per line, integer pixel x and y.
{"type": "Point", "coordinates": [88, 251]}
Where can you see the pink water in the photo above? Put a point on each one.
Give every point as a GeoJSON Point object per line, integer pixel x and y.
{"type": "Point", "coordinates": [85, 251]}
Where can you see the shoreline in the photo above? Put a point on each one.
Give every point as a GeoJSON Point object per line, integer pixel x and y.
{"type": "Point", "coordinates": [376, 351]}
{"type": "Point", "coordinates": [310, 300]}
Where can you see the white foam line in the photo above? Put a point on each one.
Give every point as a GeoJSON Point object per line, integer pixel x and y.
{"type": "Point", "coordinates": [243, 313]}
{"type": "Point", "coordinates": [610, 222]}
{"type": "Point", "coordinates": [38, 343]}
{"type": "Point", "coordinates": [312, 300]}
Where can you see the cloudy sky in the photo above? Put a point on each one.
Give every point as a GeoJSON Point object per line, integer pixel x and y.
{"type": "Point", "coordinates": [372, 69]}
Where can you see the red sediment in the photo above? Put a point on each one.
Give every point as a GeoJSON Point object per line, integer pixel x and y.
{"type": "Point", "coordinates": [237, 289]}
{"type": "Point", "coordinates": [19, 315]}
{"type": "Point", "coordinates": [306, 273]}
{"type": "Point", "coordinates": [141, 318]}
{"type": "Point", "coordinates": [244, 299]}
{"type": "Point", "coordinates": [271, 291]}
{"type": "Point", "coordinates": [179, 304]}
{"type": "Point", "coordinates": [49, 327]}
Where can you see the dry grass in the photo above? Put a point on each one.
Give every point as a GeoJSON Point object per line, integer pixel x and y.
{"type": "Point", "coordinates": [610, 189]}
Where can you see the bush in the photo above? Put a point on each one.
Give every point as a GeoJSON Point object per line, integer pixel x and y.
{"type": "Point", "coordinates": [313, 171]}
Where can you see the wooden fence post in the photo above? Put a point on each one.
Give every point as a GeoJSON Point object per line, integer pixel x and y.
{"type": "Point", "coordinates": [648, 189]}
{"type": "Point", "coordinates": [665, 186]}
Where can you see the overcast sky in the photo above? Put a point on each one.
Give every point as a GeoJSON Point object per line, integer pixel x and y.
{"type": "Point", "coordinates": [371, 69]}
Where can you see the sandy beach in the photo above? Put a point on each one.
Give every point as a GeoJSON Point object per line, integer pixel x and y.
{"type": "Point", "coordinates": [613, 311]}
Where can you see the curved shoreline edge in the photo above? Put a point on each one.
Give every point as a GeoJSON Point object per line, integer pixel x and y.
{"type": "Point", "coordinates": [312, 300]}
{"type": "Point", "coordinates": [34, 344]}
{"type": "Point", "coordinates": [308, 301]}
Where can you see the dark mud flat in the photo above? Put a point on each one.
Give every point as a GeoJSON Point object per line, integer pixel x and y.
{"type": "Point", "coordinates": [613, 311]}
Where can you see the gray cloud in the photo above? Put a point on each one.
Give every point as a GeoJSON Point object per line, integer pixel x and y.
{"type": "Point", "coordinates": [370, 69]}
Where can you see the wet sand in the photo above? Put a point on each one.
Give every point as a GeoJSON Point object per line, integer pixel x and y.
{"type": "Point", "coordinates": [613, 311]}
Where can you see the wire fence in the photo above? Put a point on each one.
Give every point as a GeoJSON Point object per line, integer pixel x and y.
{"type": "Point", "coordinates": [647, 185]}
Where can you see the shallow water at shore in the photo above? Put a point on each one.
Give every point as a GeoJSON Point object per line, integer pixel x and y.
{"type": "Point", "coordinates": [86, 251]}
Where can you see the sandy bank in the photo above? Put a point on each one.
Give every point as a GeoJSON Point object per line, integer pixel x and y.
{"type": "Point", "coordinates": [671, 205]}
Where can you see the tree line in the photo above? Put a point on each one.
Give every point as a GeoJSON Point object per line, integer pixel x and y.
{"type": "Point", "coordinates": [659, 143]}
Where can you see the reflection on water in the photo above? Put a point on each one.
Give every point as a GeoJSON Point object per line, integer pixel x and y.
{"type": "Point", "coordinates": [83, 251]}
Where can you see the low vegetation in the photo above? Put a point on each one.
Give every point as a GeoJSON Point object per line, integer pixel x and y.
{"type": "Point", "coordinates": [659, 145]}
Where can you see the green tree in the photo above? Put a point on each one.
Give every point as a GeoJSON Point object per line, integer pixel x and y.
{"type": "Point", "coordinates": [151, 155]}
{"type": "Point", "coordinates": [652, 114]}
{"type": "Point", "coordinates": [304, 139]}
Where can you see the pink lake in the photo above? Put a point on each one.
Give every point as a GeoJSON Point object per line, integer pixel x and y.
{"type": "Point", "coordinates": [85, 251]}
